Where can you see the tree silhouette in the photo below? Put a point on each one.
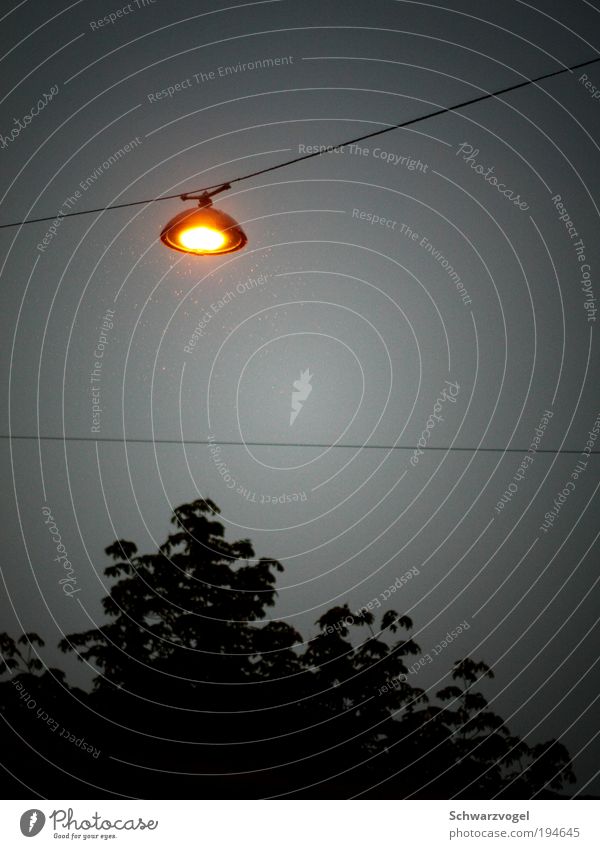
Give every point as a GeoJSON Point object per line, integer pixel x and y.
{"type": "Point", "coordinates": [32, 737]}
{"type": "Point", "coordinates": [198, 694]}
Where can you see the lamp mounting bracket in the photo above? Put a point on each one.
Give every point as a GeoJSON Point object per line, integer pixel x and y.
{"type": "Point", "coordinates": [204, 198]}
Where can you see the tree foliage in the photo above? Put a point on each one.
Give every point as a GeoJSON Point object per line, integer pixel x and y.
{"type": "Point", "coordinates": [200, 694]}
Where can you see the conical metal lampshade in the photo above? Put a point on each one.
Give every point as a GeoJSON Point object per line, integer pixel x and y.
{"type": "Point", "coordinates": [203, 231]}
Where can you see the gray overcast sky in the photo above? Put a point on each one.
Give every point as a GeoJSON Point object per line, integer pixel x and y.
{"type": "Point", "coordinates": [372, 312]}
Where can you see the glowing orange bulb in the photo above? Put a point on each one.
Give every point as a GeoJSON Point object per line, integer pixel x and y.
{"type": "Point", "coordinates": [202, 239]}
{"type": "Point", "coordinates": [203, 231]}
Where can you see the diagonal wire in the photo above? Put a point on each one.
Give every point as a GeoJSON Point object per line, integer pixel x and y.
{"type": "Point", "coordinates": [327, 149]}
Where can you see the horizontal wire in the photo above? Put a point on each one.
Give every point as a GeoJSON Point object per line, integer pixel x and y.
{"type": "Point", "coordinates": [256, 174]}
{"type": "Point", "coordinates": [146, 441]}
{"type": "Point", "coordinates": [328, 149]}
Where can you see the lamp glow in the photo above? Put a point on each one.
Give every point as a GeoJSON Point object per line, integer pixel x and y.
{"type": "Point", "coordinates": [203, 231]}
{"type": "Point", "coordinates": [202, 239]}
